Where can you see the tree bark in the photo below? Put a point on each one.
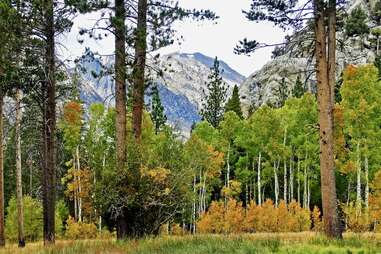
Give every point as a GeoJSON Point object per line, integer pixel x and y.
{"type": "Point", "coordinates": [49, 172]}
{"type": "Point", "coordinates": [325, 105]}
{"type": "Point", "coordinates": [259, 179]}
{"type": "Point", "coordinates": [291, 180]}
{"type": "Point", "coordinates": [276, 182]}
{"type": "Point", "coordinates": [120, 98]}
{"type": "Point", "coordinates": [358, 186]}
{"type": "Point", "coordinates": [19, 196]}
{"type": "Point", "coordinates": [299, 182]}
{"type": "Point", "coordinates": [139, 69]}
{"type": "Point", "coordinates": [305, 184]}
{"type": "Point", "coordinates": [79, 185]}
{"type": "Point", "coordinates": [2, 236]}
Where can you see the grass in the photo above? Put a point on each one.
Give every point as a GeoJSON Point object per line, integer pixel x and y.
{"type": "Point", "coordinates": [306, 243]}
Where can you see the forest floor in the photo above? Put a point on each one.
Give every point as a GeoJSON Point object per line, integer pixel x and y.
{"type": "Point", "coordinates": [306, 242]}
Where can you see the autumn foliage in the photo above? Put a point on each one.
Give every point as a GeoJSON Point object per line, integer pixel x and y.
{"type": "Point", "coordinates": [256, 218]}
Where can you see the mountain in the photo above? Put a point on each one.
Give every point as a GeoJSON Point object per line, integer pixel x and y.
{"type": "Point", "coordinates": [180, 87]}
{"type": "Point", "coordinates": [262, 87]}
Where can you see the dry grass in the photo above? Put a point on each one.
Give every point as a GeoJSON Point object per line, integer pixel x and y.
{"type": "Point", "coordinates": [304, 242]}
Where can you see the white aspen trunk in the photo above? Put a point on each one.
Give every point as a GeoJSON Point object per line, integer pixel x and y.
{"type": "Point", "coordinates": [366, 183]}
{"type": "Point", "coordinates": [20, 208]}
{"type": "Point", "coordinates": [358, 187]}
{"type": "Point", "coordinates": [200, 196]}
{"type": "Point", "coordinates": [228, 169]}
{"type": "Point", "coordinates": [79, 186]}
{"type": "Point", "coordinates": [204, 195]}
{"type": "Point", "coordinates": [276, 183]}
{"type": "Point", "coordinates": [299, 201]}
{"type": "Point", "coordinates": [246, 195]}
{"type": "Point", "coordinates": [305, 185]}
{"type": "Point", "coordinates": [291, 180]}
{"type": "Point", "coordinates": [308, 193]}
{"type": "Point", "coordinates": [378, 45]}
{"type": "Point", "coordinates": [259, 179]}
{"type": "Point", "coordinates": [285, 182]}
{"type": "Point", "coordinates": [194, 206]}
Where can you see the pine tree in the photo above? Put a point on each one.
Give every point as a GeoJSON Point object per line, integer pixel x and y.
{"type": "Point", "coordinates": [298, 89]}
{"type": "Point", "coordinates": [282, 93]}
{"type": "Point", "coordinates": [212, 107]}
{"type": "Point", "coordinates": [356, 23]}
{"type": "Point", "coordinates": [157, 110]}
{"type": "Point", "coordinates": [377, 63]}
{"type": "Point", "coordinates": [234, 103]}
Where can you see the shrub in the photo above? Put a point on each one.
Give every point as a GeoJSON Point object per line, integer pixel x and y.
{"type": "Point", "coordinates": [356, 220]}
{"type": "Point", "coordinates": [213, 220]}
{"type": "Point", "coordinates": [33, 225]}
{"type": "Point", "coordinates": [316, 220]}
{"type": "Point", "coordinates": [80, 230]}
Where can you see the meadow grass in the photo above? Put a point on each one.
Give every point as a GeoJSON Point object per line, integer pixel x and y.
{"type": "Point", "coordinates": [305, 242]}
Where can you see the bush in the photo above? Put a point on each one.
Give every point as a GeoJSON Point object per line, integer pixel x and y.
{"type": "Point", "coordinates": [356, 220]}
{"type": "Point", "coordinates": [33, 221]}
{"type": "Point", "coordinates": [80, 230]}
{"type": "Point", "coordinates": [33, 225]}
{"type": "Point", "coordinates": [264, 218]}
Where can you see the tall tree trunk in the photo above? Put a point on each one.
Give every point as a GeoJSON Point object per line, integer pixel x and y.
{"type": "Point", "coordinates": [2, 237]}
{"type": "Point", "coordinates": [20, 209]}
{"type": "Point", "coordinates": [308, 193]}
{"type": "Point", "coordinates": [358, 186]}
{"type": "Point", "coordinates": [139, 68]}
{"type": "Point", "coordinates": [259, 179]}
{"type": "Point", "coordinates": [120, 99]}
{"type": "Point", "coordinates": [291, 180]}
{"type": "Point", "coordinates": [79, 185]}
{"type": "Point", "coordinates": [276, 182]}
{"type": "Point", "coordinates": [49, 172]}
{"type": "Point", "coordinates": [228, 168]}
{"type": "Point", "coordinates": [299, 201]}
{"type": "Point", "coordinates": [285, 181]}
{"type": "Point", "coordinates": [305, 185]}
{"type": "Point", "coordinates": [194, 206]}
{"type": "Point", "coordinates": [324, 72]}
{"type": "Point", "coordinates": [366, 182]}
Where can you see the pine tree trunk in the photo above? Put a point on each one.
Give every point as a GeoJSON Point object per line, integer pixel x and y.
{"type": "Point", "coordinates": [2, 236]}
{"type": "Point", "coordinates": [19, 196]}
{"type": "Point", "coordinates": [324, 70]}
{"type": "Point", "coordinates": [366, 183]}
{"type": "Point", "coordinates": [120, 99]}
{"type": "Point", "coordinates": [139, 67]}
{"type": "Point", "coordinates": [358, 186]}
{"type": "Point", "coordinates": [49, 171]}
{"type": "Point", "coordinates": [259, 179]}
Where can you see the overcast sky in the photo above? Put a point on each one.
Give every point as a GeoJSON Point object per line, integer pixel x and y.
{"type": "Point", "coordinates": [206, 37]}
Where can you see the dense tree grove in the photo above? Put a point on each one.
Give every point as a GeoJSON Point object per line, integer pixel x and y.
{"type": "Point", "coordinates": [76, 171]}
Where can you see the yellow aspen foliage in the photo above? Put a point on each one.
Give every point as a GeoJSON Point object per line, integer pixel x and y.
{"type": "Point", "coordinates": [234, 217]}
{"type": "Point", "coordinates": [213, 220]}
{"type": "Point", "coordinates": [233, 191]}
{"type": "Point", "coordinates": [316, 220]}
{"type": "Point", "coordinates": [300, 216]}
{"type": "Point", "coordinates": [356, 222]}
{"type": "Point", "coordinates": [375, 202]}
{"type": "Point", "coordinates": [80, 230]}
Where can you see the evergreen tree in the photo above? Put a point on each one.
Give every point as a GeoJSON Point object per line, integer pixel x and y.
{"type": "Point", "coordinates": [282, 93]}
{"type": "Point", "coordinates": [234, 103]}
{"type": "Point", "coordinates": [157, 110]}
{"type": "Point", "coordinates": [377, 63]}
{"type": "Point", "coordinates": [298, 89]}
{"type": "Point", "coordinates": [356, 23]}
{"type": "Point", "coordinates": [212, 106]}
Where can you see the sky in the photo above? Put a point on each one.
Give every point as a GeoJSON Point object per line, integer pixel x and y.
{"type": "Point", "coordinates": [210, 38]}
